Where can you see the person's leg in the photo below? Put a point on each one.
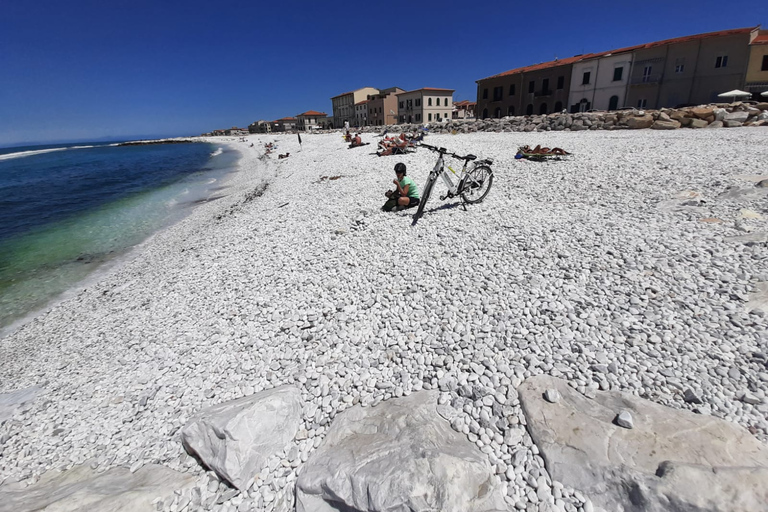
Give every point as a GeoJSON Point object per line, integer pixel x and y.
{"type": "Point", "coordinates": [404, 201]}
{"type": "Point", "coordinates": [389, 205]}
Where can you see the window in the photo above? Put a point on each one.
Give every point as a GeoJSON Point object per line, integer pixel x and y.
{"type": "Point", "coordinates": [560, 82]}
{"type": "Point", "coordinates": [498, 113]}
{"type": "Point", "coordinates": [511, 111]}
{"type": "Point", "coordinates": [585, 78]}
{"type": "Point", "coordinates": [512, 90]}
{"type": "Point", "coordinates": [613, 103]}
{"type": "Point", "coordinates": [679, 68]}
{"type": "Point", "coordinates": [529, 110]}
{"type": "Point", "coordinates": [642, 103]}
{"type": "Point", "coordinates": [402, 104]}
{"type": "Point", "coordinates": [617, 74]}
{"type": "Point", "coordinates": [497, 92]}
{"type": "Point", "coordinates": [531, 85]}
{"type": "Point", "coordinates": [485, 113]}
{"type": "Point", "coordinates": [429, 117]}
{"type": "Point", "coordinates": [445, 102]}
{"type": "Point", "coordinates": [543, 109]}
{"type": "Point", "coordinates": [647, 73]}
{"type": "Point", "coordinates": [418, 117]}
{"type": "Point", "coordinates": [429, 102]}
{"type": "Point", "coordinates": [402, 119]}
{"type": "Point", "coordinates": [545, 85]}
{"type": "Point", "coordinates": [558, 107]}
{"type": "Point", "coordinates": [418, 102]}
{"type": "Point", "coordinates": [721, 61]}
{"type": "Point", "coordinates": [765, 63]}
{"type": "Point", "coordinates": [485, 94]}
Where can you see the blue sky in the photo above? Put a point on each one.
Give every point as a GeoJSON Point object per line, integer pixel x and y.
{"type": "Point", "coordinates": [87, 70]}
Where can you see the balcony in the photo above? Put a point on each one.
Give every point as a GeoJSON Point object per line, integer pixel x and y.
{"type": "Point", "coordinates": [543, 93]}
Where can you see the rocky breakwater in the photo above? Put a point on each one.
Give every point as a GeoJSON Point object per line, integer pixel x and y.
{"type": "Point", "coordinates": [703, 116]}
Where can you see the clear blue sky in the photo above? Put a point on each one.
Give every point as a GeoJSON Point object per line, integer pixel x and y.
{"type": "Point", "coordinates": [85, 70]}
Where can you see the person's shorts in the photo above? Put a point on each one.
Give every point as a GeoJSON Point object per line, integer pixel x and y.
{"type": "Point", "coordinates": [413, 201]}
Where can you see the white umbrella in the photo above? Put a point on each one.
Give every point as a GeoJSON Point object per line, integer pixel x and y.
{"type": "Point", "coordinates": [735, 94]}
{"type": "Point", "coordinates": [765, 93]}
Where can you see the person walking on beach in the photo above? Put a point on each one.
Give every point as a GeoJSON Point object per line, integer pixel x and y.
{"type": "Point", "coordinates": [405, 195]}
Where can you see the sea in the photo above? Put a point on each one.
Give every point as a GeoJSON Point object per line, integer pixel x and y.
{"type": "Point", "coordinates": [68, 211]}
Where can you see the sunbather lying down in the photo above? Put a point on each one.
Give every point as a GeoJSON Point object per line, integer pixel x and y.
{"type": "Point", "coordinates": [538, 150]}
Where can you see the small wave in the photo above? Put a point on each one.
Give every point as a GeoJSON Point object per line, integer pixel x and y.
{"type": "Point", "coordinates": [211, 181]}
{"type": "Point", "coordinates": [22, 154]}
{"type": "Point", "coordinates": [217, 152]}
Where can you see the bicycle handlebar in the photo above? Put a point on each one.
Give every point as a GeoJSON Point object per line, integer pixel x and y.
{"type": "Point", "coordinates": [444, 151]}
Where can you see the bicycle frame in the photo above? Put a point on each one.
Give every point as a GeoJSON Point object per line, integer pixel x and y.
{"type": "Point", "coordinates": [439, 170]}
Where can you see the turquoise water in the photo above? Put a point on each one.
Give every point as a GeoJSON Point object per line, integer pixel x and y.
{"type": "Point", "coordinates": [66, 211]}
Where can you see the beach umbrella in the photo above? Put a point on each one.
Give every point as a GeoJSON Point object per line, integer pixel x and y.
{"type": "Point", "coordinates": [735, 94]}
{"type": "Point", "coordinates": [299, 138]}
{"type": "Point", "coordinates": [764, 94]}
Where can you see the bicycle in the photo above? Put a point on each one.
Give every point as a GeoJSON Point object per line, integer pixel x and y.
{"type": "Point", "coordinates": [473, 185]}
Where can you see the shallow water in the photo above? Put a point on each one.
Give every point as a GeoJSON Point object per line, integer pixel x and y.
{"type": "Point", "coordinates": [68, 210]}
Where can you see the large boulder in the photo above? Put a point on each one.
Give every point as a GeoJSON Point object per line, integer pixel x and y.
{"type": "Point", "coordinates": [665, 125]}
{"type": "Point", "coordinates": [698, 123]}
{"type": "Point", "coordinates": [702, 112]}
{"type": "Point", "coordinates": [82, 488]}
{"type": "Point", "coordinates": [663, 463]}
{"type": "Point", "coordinates": [737, 116]}
{"type": "Point", "coordinates": [639, 122]}
{"type": "Point", "coordinates": [398, 456]}
{"type": "Point", "coordinates": [235, 438]}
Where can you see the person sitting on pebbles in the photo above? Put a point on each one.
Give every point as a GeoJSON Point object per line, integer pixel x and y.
{"type": "Point", "coordinates": [405, 195]}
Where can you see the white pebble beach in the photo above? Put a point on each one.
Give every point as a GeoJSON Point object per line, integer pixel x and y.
{"type": "Point", "coordinates": [627, 266]}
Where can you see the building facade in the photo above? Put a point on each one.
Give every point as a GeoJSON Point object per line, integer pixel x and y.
{"type": "Point", "coordinates": [382, 107]}
{"type": "Point", "coordinates": [310, 120]}
{"type": "Point", "coordinates": [424, 105]}
{"type": "Point", "coordinates": [284, 124]}
{"type": "Point", "coordinates": [361, 113]}
{"type": "Point", "coordinates": [757, 67]}
{"type": "Point", "coordinates": [344, 105]}
{"type": "Point", "coordinates": [600, 82]}
{"type": "Point", "coordinates": [680, 71]}
{"type": "Point", "coordinates": [464, 109]}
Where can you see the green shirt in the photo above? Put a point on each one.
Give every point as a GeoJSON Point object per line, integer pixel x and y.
{"type": "Point", "coordinates": [412, 190]}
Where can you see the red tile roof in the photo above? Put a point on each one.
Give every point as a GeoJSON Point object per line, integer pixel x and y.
{"type": "Point", "coordinates": [361, 102]}
{"type": "Point", "coordinates": [577, 58]}
{"type": "Point", "coordinates": [761, 39]}
{"type": "Point", "coordinates": [286, 119]}
{"type": "Point", "coordinates": [313, 113]}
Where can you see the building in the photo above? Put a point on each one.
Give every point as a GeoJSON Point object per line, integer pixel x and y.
{"type": "Point", "coordinates": [260, 127]}
{"type": "Point", "coordinates": [424, 105]}
{"type": "Point", "coordinates": [284, 124]}
{"type": "Point", "coordinates": [382, 107]}
{"type": "Point", "coordinates": [361, 113]}
{"type": "Point", "coordinates": [344, 105]}
{"type": "Point", "coordinates": [537, 89]}
{"type": "Point", "coordinates": [311, 120]}
{"type": "Point", "coordinates": [689, 70]}
{"type": "Point", "coordinates": [757, 66]}
{"type": "Point", "coordinates": [464, 109]}
{"type": "Point", "coordinates": [680, 71]}
{"type": "Point", "coordinates": [600, 82]}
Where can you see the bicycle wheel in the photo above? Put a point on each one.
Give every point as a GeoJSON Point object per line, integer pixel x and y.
{"type": "Point", "coordinates": [424, 197]}
{"type": "Point", "coordinates": [476, 184]}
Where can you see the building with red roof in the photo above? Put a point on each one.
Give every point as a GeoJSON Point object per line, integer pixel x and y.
{"type": "Point", "coordinates": [757, 66]}
{"type": "Point", "coordinates": [312, 120]}
{"type": "Point", "coordinates": [683, 70]}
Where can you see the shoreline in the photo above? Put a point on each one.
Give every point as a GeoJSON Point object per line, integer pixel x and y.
{"type": "Point", "coordinates": [564, 266]}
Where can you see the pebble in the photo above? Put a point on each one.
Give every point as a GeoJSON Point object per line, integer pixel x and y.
{"type": "Point", "coordinates": [552, 396]}
{"type": "Point", "coordinates": [624, 419]}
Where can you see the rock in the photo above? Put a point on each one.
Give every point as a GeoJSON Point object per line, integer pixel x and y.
{"type": "Point", "coordinates": [737, 116]}
{"type": "Point", "coordinates": [762, 106]}
{"type": "Point", "coordinates": [552, 396]}
{"type": "Point", "coordinates": [399, 455]}
{"type": "Point", "coordinates": [762, 184]}
{"type": "Point", "coordinates": [665, 125]}
{"type": "Point", "coordinates": [624, 419]}
{"type": "Point", "coordinates": [18, 400]}
{"type": "Point", "coordinates": [702, 112]}
{"type": "Point", "coordinates": [732, 124]}
{"type": "Point", "coordinates": [749, 398]}
{"type": "Point", "coordinates": [82, 488]}
{"type": "Point", "coordinates": [691, 397]}
{"type": "Point", "coordinates": [235, 438]}
{"type": "Point", "coordinates": [698, 123]}
{"type": "Point", "coordinates": [639, 122]}
{"type": "Point", "coordinates": [622, 469]}
{"type": "Point", "coordinates": [715, 124]}
{"type": "Point", "coordinates": [720, 114]}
